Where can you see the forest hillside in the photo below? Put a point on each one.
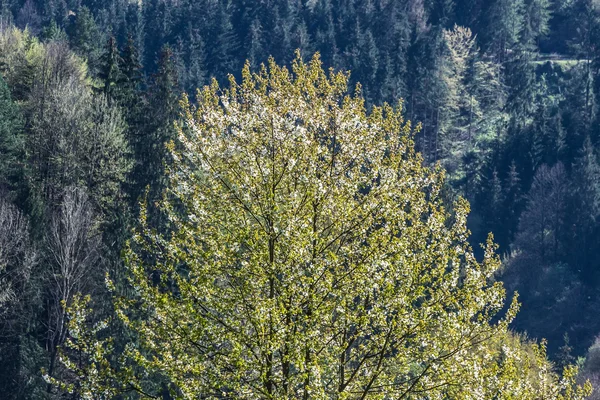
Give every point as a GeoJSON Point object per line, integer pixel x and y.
{"type": "Point", "coordinates": [493, 101]}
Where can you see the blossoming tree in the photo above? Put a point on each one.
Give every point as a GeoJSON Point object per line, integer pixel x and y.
{"type": "Point", "coordinates": [310, 256]}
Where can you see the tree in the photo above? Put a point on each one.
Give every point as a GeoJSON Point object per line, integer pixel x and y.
{"type": "Point", "coordinates": [28, 17]}
{"type": "Point", "coordinates": [542, 223]}
{"type": "Point", "coordinates": [454, 133]}
{"type": "Point", "coordinates": [513, 198]}
{"type": "Point", "coordinates": [132, 79]}
{"type": "Point", "coordinates": [223, 49]}
{"type": "Point", "coordinates": [255, 43]}
{"type": "Point", "coordinates": [77, 139]}
{"type": "Point", "coordinates": [325, 35]}
{"type": "Point", "coordinates": [110, 72]}
{"type": "Point", "coordinates": [310, 256]}
{"type": "Point", "coordinates": [17, 256]}
{"type": "Point", "coordinates": [86, 38]}
{"type": "Point", "coordinates": [73, 246]}
{"type": "Point", "coordinates": [584, 213]}
{"type": "Point", "coordinates": [150, 150]}
{"type": "Point", "coordinates": [157, 28]}
{"type": "Point", "coordinates": [192, 70]}
{"type": "Point", "coordinates": [536, 22]}
{"type": "Point", "coordinates": [503, 26]}
{"type": "Point", "coordinates": [54, 32]}
{"type": "Point", "coordinates": [11, 139]}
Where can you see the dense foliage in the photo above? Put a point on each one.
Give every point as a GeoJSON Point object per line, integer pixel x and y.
{"type": "Point", "coordinates": [505, 92]}
{"type": "Point", "coordinates": [309, 255]}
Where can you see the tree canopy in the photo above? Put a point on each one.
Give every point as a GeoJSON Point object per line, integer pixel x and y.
{"type": "Point", "coordinates": [309, 255]}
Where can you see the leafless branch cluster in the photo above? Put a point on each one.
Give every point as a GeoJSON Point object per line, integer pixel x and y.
{"type": "Point", "coordinates": [17, 256]}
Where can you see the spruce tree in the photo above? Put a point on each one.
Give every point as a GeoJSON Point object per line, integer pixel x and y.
{"type": "Point", "coordinates": [158, 130]}
{"type": "Point", "coordinates": [513, 202]}
{"type": "Point", "coordinates": [11, 141]}
{"type": "Point", "coordinates": [536, 24]}
{"type": "Point", "coordinates": [502, 26]}
{"type": "Point", "coordinates": [585, 213]}
{"type": "Point", "coordinates": [86, 38]}
{"type": "Point", "coordinates": [255, 44]}
{"type": "Point", "coordinates": [132, 75]}
{"type": "Point", "coordinates": [223, 49]}
{"type": "Point", "coordinates": [196, 73]}
{"type": "Point", "coordinates": [368, 66]}
{"type": "Point", "coordinates": [110, 72]}
{"type": "Point", "coordinates": [325, 34]}
{"type": "Point", "coordinates": [157, 29]}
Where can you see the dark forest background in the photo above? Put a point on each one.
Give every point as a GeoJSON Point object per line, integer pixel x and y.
{"type": "Point", "coordinates": [507, 93]}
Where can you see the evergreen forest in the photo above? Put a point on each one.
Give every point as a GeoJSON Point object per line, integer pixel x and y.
{"type": "Point", "coordinates": [293, 199]}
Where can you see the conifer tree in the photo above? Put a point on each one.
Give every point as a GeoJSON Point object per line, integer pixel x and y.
{"type": "Point", "coordinates": [520, 78]}
{"type": "Point", "coordinates": [135, 28]}
{"type": "Point", "coordinates": [255, 44]}
{"type": "Point", "coordinates": [158, 129]}
{"type": "Point", "coordinates": [110, 72]}
{"type": "Point", "coordinates": [132, 76]}
{"type": "Point", "coordinates": [223, 49]}
{"type": "Point", "coordinates": [368, 67]}
{"type": "Point", "coordinates": [536, 22]}
{"type": "Point", "coordinates": [585, 212]}
{"type": "Point", "coordinates": [157, 30]}
{"type": "Point", "coordinates": [11, 141]}
{"type": "Point", "coordinates": [443, 12]}
{"type": "Point", "coordinates": [85, 37]}
{"type": "Point", "coordinates": [513, 198]}
{"type": "Point", "coordinates": [29, 18]}
{"type": "Point", "coordinates": [301, 40]}
{"type": "Point", "coordinates": [325, 34]}
{"type": "Point", "coordinates": [543, 221]}
{"type": "Point", "coordinates": [53, 32]}
{"type": "Point", "coordinates": [503, 26]}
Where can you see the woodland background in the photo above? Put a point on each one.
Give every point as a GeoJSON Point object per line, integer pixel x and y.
{"type": "Point", "coordinates": [507, 93]}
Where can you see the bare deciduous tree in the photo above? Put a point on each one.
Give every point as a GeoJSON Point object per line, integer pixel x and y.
{"type": "Point", "coordinates": [16, 254]}
{"type": "Point", "coordinates": [73, 246]}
